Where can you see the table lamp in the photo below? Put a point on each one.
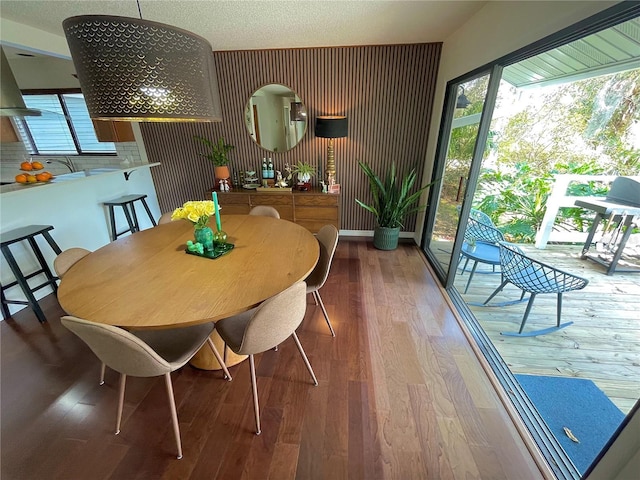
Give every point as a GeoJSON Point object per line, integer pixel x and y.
{"type": "Point", "coordinates": [331, 127]}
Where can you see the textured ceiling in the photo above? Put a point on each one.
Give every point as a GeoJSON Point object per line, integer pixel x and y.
{"type": "Point", "coordinates": [240, 25]}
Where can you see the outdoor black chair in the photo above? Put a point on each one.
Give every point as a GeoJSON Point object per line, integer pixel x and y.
{"type": "Point", "coordinates": [534, 277]}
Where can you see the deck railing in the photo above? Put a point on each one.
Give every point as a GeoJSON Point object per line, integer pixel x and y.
{"type": "Point", "coordinates": [558, 199]}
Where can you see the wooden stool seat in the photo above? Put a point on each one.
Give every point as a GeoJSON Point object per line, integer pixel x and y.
{"type": "Point", "coordinates": [127, 204]}
{"type": "Point", "coordinates": [27, 233]}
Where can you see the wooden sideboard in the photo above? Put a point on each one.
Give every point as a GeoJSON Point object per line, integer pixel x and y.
{"type": "Point", "coordinates": [311, 210]}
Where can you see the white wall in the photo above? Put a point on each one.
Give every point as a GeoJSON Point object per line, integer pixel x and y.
{"type": "Point", "coordinates": [75, 209]}
{"type": "Point", "coordinates": [498, 29]}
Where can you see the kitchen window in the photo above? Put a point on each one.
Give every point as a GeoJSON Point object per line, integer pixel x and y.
{"type": "Point", "coordinates": [64, 128]}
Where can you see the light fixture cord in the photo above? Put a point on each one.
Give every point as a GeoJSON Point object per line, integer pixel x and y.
{"type": "Point", "coordinates": [139, 11]}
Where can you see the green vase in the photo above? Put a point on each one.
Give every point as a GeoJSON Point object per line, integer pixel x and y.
{"type": "Point", "coordinates": [385, 238]}
{"type": "Point", "coordinates": [204, 236]}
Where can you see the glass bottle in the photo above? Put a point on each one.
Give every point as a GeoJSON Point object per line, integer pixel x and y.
{"type": "Point", "coordinates": [272, 173]}
{"type": "Point", "coordinates": [265, 171]}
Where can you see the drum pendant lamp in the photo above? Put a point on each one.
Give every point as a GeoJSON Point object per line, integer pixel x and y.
{"type": "Point", "coordinates": [137, 70]}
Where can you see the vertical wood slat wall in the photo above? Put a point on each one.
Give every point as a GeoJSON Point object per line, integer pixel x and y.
{"type": "Point", "coordinates": [385, 91]}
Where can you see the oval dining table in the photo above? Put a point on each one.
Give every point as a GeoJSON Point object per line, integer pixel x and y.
{"type": "Point", "coordinates": [147, 280]}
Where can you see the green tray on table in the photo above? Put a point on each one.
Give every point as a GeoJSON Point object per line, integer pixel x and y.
{"type": "Point", "coordinates": [219, 249]}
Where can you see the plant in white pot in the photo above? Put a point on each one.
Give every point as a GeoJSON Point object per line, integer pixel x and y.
{"type": "Point", "coordinates": [303, 172]}
{"type": "Point", "coordinates": [392, 202]}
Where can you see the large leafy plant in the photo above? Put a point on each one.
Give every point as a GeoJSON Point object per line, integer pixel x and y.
{"type": "Point", "coordinates": [392, 197]}
{"type": "Point", "coordinates": [217, 151]}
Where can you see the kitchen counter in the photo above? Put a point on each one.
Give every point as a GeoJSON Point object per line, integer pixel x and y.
{"type": "Point", "coordinates": [72, 177]}
{"type": "Point", "coordinates": [73, 205]}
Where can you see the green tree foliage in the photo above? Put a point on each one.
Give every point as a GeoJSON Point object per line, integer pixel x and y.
{"type": "Point", "coordinates": [583, 128]}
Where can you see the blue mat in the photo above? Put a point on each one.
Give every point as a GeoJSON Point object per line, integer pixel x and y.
{"type": "Point", "coordinates": [579, 405]}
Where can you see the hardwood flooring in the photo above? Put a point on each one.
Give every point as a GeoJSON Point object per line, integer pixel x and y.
{"type": "Point", "coordinates": [401, 396]}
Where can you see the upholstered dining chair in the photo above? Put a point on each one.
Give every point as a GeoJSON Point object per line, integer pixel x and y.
{"type": "Point", "coordinates": [265, 327]}
{"type": "Point", "coordinates": [61, 264]}
{"type": "Point", "coordinates": [147, 353]}
{"type": "Point", "coordinates": [68, 258]}
{"type": "Point", "coordinates": [265, 211]}
{"type": "Point", "coordinates": [165, 218]}
{"type": "Point", "coordinates": [534, 277]}
{"type": "Point", "coordinates": [327, 237]}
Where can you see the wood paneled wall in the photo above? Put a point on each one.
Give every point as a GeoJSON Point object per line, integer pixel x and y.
{"type": "Point", "coordinates": [385, 91]}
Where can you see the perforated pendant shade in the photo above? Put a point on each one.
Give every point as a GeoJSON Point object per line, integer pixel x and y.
{"type": "Point", "coordinates": [137, 70]}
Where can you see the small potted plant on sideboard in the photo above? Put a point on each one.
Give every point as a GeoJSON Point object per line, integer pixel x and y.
{"type": "Point", "coordinates": [303, 172]}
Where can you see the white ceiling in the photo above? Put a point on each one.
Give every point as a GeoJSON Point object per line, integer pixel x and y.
{"type": "Point", "coordinates": [241, 25]}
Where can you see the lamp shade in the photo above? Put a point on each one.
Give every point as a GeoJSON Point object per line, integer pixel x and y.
{"type": "Point", "coordinates": [131, 69]}
{"type": "Point", "coordinates": [331, 127]}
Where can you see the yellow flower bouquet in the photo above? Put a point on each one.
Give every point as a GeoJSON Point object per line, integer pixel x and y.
{"type": "Point", "coordinates": [197, 212]}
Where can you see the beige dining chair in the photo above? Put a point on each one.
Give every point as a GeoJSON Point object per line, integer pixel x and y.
{"type": "Point", "coordinates": [264, 327]}
{"type": "Point", "coordinates": [61, 264]}
{"type": "Point", "coordinates": [147, 353]}
{"type": "Point", "coordinates": [264, 211]}
{"type": "Point", "coordinates": [165, 218]}
{"type": "Point", "coordinates": [327, 237]}
{"type": "Point", "coordinates": [68, 258]}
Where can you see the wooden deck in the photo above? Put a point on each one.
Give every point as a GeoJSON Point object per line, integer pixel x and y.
{"type": "Point", "coordinates": [602, 345]}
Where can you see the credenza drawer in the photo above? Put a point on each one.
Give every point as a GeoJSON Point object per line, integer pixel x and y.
{"type": "Point", "coordinates": [271, 199]}
{"type": "Point", "coordinates": [319, 199]}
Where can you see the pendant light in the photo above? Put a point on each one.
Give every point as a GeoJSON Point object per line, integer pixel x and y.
{"type": "Point", "coordinates": [137, 70]}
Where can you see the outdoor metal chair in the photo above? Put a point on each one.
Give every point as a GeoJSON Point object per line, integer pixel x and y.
{"type": "Point", "coordinates": [480, 244]}
{"type": "Point", "coordinates": [534, 277]}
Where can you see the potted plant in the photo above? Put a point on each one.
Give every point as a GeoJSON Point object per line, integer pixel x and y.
{"type": "Point", "coordinates": [303, 172]}
{"type": "Point", "coordinates": [217, 155]}
{"type": "Point", "coordinates": [392, 202]}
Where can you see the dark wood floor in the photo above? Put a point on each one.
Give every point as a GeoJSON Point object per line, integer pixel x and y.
{"type": "Point", "coordinates": [401, 395]}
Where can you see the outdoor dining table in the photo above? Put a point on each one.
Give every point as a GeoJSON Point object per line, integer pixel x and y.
{"type": "Point", "coordinates": [147, 280]}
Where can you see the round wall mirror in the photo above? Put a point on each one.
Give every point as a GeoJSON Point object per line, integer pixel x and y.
{"type": "Point", "coordinates": [276, 118]}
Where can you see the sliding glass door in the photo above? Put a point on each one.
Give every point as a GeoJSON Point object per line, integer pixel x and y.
{"type": "Point", "coordinates": [458, 152]}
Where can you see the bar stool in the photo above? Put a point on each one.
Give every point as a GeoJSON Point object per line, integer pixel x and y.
{"type": "Point", "coordinates": [27, 233]}
{"type": "Point", "coordinates": [127, 204]}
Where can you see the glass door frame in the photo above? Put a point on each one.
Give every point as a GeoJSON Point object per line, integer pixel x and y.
{"type": "Point", "coordinates": [444, 136]}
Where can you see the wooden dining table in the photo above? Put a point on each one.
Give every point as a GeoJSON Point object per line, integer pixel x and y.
{"type": "Point", "coordinates": [147, 280]}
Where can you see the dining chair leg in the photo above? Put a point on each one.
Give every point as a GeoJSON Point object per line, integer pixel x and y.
{"type": "Point", "coordinates": [224, 353]}
{"type": "Point", "coordinates": [102, 370]}
{"type": "Point", "coordinates": [227, 375]}
{"type": "Point", "coordinates": [123, 380]}
{"type": "Point", "coordinates": [174, 413]}
{"type": "Point", "coordinates": [315, 300]}
{"type": "Point", "coordinates": [254, 388]}
{"type": "Point", "coordinates": [324, 311]}
{"type": "Point", "coordinates": [304, 357]}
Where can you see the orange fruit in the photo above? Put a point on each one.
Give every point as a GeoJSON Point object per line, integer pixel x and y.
{"type": "Point", "coordinates": [47, 174]}
{"type": "Point", "coordinates": [26, 166]}
{"type": "Point", "coordinates": [21, 178]}
{"type": "Point", "coordinates": [42, 177]}
{"type": "Point", "coordinates": [31, 179]}
{"type": "Point", "coordinates": [37, 166]}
